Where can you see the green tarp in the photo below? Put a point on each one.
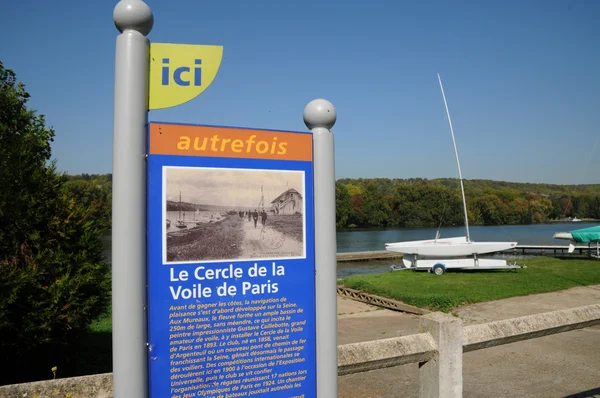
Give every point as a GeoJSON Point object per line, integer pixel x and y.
{"type": "Point", "coordinates": [586, 235]}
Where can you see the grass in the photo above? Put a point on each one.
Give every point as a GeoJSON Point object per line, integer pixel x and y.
{"type": "Point", "coordinates": [92, 354]}
{"type": "Point", "coordinates": [453, 289]}
{"type": "Point", "coordinates": [290, 225]}
{"type": "Point", "coordinates": [89, 354]}
{"type": "Point", "coordinates": [102, 324]}
{"type": "Point", "coordinates": [207, 241]}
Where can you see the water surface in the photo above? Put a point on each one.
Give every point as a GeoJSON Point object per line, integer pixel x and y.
{"type": "Point", "coordinates": [376, 238]}
{"type": "Point", "coordinates": [535, 234]}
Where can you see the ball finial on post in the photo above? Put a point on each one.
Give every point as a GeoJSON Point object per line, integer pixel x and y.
{"type": "Point", "coordinates": [134, 20]}
{"type": "Point", "coordinates": [320, 116]}
{"type": "Point", "coordinates": [320, 113]}
{"type": "Point", "coordinates": [133, 14]}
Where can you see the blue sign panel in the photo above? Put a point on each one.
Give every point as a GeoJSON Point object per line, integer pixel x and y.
{"type": "Point", "coordinates": [231, 275]}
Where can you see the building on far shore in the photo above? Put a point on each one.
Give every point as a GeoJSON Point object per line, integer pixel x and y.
{"type": "Point", "coordinates": [289, 202]}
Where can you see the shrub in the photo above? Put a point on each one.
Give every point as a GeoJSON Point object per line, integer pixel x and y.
{"type": "Point", "coordinates": [53, 278]}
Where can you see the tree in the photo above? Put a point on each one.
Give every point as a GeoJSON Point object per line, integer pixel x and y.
{"type": "Point", "coordinates": [94, 194]}
{"type": "Point", "coordinates": [377, 210]}
{"type": "Point", "coordinates": [421, 202]}
{"type": "Point", "coordinates": [566, 206]}
{"type": "Point", "coordinates": [356, 215]}
{"type": "Point", "coordinates": [342, 205]}
{"type": "Point", "coordinates": [53, 278]}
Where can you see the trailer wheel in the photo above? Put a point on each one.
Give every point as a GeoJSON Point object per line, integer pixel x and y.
{"type": "Point", "coordinates": [438, 269]}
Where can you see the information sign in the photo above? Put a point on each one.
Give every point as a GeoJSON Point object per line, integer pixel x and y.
{"type": "Point", "coordinates": [231, 263]}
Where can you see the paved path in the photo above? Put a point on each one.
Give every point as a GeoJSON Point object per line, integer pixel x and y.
{"type": "Point", "coordinates": [559, 366]}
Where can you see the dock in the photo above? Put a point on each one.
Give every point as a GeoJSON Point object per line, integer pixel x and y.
{"type": "Point", "coordinates": [590, 250]}
{"type": "Point", "coordinates": [367, 255]}
{"type": "Point", "coordinates": [543, 249]}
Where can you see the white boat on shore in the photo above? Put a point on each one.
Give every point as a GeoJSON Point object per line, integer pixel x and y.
{"type": "Point", "coordinates": [585, 235]}
{"type": "Point", "coordinates": [452, 247]}
{"type": "Point", "coordinates": [439, 254]}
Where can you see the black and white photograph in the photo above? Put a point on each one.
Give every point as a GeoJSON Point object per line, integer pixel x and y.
{"type": "Point", "coordinates": [222, 214]}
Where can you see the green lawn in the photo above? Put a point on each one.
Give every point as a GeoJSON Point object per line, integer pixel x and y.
{"type": "Point", "coordinates": [445, 292]}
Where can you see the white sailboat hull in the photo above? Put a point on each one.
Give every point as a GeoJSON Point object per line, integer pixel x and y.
{"type": "Point", "coordinates": [440, 266]}
{"type": "Point", "coordinates": [448, 247]}
{"type": "Point", "coordinates": [566, 236]}
{"type": "Point", "coordinates": [563, 235]}
{"type": "Point", "coordinates": [454, 263]}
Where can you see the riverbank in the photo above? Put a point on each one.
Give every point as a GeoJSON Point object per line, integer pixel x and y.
{"type": "Point", "coordinates": [221, 240]}
{"type": "Point", "coordinates": [581, 220]}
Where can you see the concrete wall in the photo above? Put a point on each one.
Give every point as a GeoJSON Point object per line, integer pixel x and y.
{"type": "Point", "coordinates": [94, 386]}
{"type": "Point", "coordinates": [438, 350]}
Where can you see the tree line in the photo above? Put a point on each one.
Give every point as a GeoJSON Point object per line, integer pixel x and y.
{"type": "Point", "coordinates": [383, 202]}
{"type": "Point", "coordinates": [417, 202]}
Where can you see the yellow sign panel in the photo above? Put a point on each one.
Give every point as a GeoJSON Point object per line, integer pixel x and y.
{"type": "Point", "coordinates": [181, 72]}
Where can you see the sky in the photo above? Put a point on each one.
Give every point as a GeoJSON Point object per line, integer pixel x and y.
{"type": "Point", "coordinates": [520, 78]}
{"type": "Point", "coordinates": [230, 187]}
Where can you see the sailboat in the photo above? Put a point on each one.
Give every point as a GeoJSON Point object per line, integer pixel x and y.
{"type": "Point", "coordinates": [438, 249]}
{"type": "Point", "coordinates": [180, 222]}
{"type": "Point", "coordinates": [584, 235]}
{"type": "Point", "coordinates": [197, 214]}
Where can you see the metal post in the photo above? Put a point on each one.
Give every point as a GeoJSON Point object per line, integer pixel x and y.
{"type": "Point", "coordinates": [134, 19]}
{"type": "Point", "coordinates": [320, 116]}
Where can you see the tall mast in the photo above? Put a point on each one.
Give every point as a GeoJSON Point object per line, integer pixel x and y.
{"type": "Point", "coordinates": [462, 189]}
{"type": "Point", "coordinates": [261, 204]}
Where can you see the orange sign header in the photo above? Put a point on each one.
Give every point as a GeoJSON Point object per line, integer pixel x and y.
{"type": "Point", "coordinates": [228, 142]}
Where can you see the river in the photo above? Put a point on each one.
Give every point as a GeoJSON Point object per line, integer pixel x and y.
{"type": "Point", "coordinates": [535, 234]}
{"type": "Point", "coordinates": [191, 218]}
{"type": "Point", "coordinates": [375, 239]}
